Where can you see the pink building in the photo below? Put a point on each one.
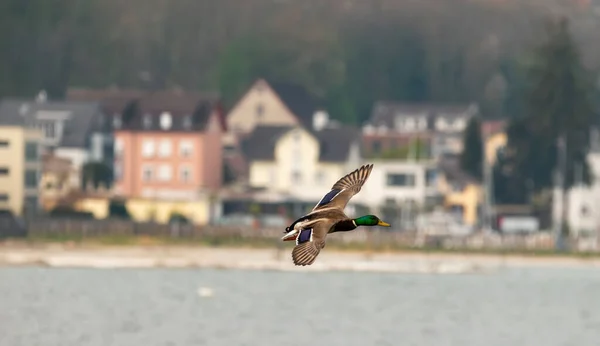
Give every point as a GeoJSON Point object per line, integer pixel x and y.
{"type": "Point", "coordinates": [169, 147]}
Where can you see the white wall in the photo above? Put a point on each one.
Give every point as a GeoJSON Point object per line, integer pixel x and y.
{"type": "Point", "coordinates": [376, 189]}
{"type": "Point", "coordinates": [78, 158]}
{"type": "Point", "coordinates": [583, 210]}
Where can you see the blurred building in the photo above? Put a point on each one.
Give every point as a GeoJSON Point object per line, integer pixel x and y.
{"type": "Point", "coordinates": [77, 131]}
{"type": "Point", "coordinates": [396, 182]}
{"type": "Point", "coordinates": [393, 125]}
{"type": "Point", "coordinates": [583, 201]}
{"type": "Point", "coordinates": [58, 179]}
{"type": "Point", "coordinates": [19, 162]}
{"type": "Point", "coordinates": [169, 146]}
{"type": "Point", "coordinates": [293, 162]}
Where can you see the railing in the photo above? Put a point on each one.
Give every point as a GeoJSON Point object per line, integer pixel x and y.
{"type": "Point", "coordinates": [376, 239]}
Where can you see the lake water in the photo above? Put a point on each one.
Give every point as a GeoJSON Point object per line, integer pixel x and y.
{"type": "Point", "coordinates": [64, 307]}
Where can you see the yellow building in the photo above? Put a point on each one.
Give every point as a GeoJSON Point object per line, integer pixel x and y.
{"type": "Point", "coordinates": [198, 211]}
{"type": "Point", "coordinates": [494, 143]}
{"type": "Point", "coordinates": [19, 163]}
{"type": "Point", "coordinates": [464, 194]}
{"type": "Point", "coordinates": [262, 104]}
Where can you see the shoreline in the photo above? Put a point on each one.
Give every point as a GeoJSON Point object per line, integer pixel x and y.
{"type": "Point", "coordinates": [60, 255]}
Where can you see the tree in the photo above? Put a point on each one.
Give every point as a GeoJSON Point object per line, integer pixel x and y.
{"type": "Point", "coordinates": [117, 208]}
{"type": "Point", "coordinates": [558, 106]}
{"type": "Point", "coordinates": [97, 173]}
{"type": "Point", "coordinates": [471, 159]}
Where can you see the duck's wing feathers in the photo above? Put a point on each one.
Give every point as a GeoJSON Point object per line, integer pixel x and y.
{"type": "Point", "coordinates": [309, 242]}
{"type": "Point", "coordinates": [348, 186]}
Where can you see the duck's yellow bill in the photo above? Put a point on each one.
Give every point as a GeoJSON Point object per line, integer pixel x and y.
{"type": "Point", "coordinates": [384, 224]}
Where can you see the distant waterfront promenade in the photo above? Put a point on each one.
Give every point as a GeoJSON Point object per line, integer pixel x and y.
{"type": "Point", "coordinates": [186, 256]}
{"type": "Point", "coordinates": [122, 244]}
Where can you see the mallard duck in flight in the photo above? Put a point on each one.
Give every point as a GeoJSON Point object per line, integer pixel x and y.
{"type": "Point", "coordinates": [328, 216]}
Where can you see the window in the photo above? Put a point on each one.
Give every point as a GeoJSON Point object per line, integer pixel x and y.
{"type": "Point", "coordinates": [422, 124]}
{"type": "Point", "coordinates": [118, 171]}
{"type": "Point", "coordinates": [166, 121]}
{"type": "Point", "coordinates": [49, 130]}
{"type": "Point", "coordinates": [185, 174]}
{"type": "Point", "coordinates": [118, 147]}
{"type": "Point", "coordinates": [400, 179]}
{"type": "Point", "coordinates": [409, 124]}
{"type": "Point", "coordinates": [147, 121]}
{"type": "Point", "coordinates": [430, 176]}
{"type": "Point", "coordinates": [108, 149]}
{"type": "Point", "coordinates": [165, 173]}
{"type": "Point", "coordinates": [4, 171]}
{"type": "Point", "coordinates": [185, 149]}
{"type": "Point", "coordinates": [31, 151]}
{"type": "Point", "coordinates": [148, 148]}
{"type": "Point", "coordinates": [164, 149]}
{"type": "Point", "coordinates": [31, 178]}
{"type": "Point", "coordinates": [147, 173]}
{"type": "Point", "coordinates": [3, 197]}
{"type": "Point", "coordinates": [260, 110]}
{"type": "Point", "coordinates": [3, 143]}
{"type": "Point", "coordinates": [187, 122]}
{"type": "Point", "coordinates": [117, 123]}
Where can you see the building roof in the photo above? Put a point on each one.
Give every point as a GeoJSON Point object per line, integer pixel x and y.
{"type": "Point", "coordinates": [9, 113]}
{"type": "Point", "coordinates": [113, 101]}
{"type": "Point", "coordinates": [259, 145]}
{"type": "Point", "coordinates": [84, 117]}
{"type": "Point", "coordinates": [146, 115]}
{"type": "Point", "coordinates": [299, 101]}
{"type": "Point", "coordinates": [189, 110]}
{"type": "Point", "coordinates": [386, 112]}
{"type": "Point", "coordinates": [334, 143]}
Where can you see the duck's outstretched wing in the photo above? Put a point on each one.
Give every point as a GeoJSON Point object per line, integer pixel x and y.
{"type": "Point", "coordinates": [309, 243]}
{"type": "Point", "coordinates": [348, 186]}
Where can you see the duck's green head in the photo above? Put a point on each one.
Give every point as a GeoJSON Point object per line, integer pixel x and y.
{"type": "Point", "coordinates": [370, 220]}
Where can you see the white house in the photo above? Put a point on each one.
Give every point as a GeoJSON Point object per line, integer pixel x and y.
{"type": "Point", "coordinates": [293, 162]}
{"type": "Point", "coordinates": [394, 124]}
{"type": "Point", "coordinates": [396, 182]}
{"type": "Point", "coordinates": [583, 202]}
